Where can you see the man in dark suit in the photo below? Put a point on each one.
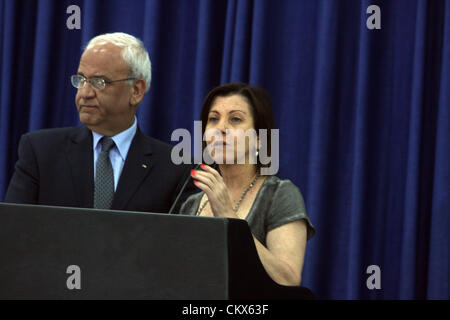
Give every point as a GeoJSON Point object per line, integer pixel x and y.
{"type": "Point", "coordinates": [109, 162]}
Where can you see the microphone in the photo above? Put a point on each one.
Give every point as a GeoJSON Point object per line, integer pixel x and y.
{"type": "Point", "coordinates": [182, 189]}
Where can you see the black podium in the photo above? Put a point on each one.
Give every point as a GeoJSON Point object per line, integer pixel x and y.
{"type": "Point", "coordinates": [129, 255]}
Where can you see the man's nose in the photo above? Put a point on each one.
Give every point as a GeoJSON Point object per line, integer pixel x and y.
{"type": "Point", "coordinates": [87, 91]}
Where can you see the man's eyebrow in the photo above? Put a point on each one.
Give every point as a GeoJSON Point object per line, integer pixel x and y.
{"type": "Point", "coordinates": [231, 111]}
{"type": "Point", "coordinates": [95, 76]}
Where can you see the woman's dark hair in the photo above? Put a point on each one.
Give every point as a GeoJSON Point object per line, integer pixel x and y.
{"type": "Point", "coordinates": [260, 104]}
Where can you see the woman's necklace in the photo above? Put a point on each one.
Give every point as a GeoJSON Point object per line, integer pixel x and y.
{"type": "Point", "coordinates": [236, 206]}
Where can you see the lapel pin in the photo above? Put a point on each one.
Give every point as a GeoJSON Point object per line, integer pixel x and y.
{"type": "Point", "coordinates": [144, 166]}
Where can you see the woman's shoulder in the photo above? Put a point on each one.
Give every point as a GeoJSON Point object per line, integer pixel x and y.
{"type": "Point", "coordinates": [283, 189]}
{"type": "Point", "coordinates": [286, 203]}
{"type": "Point", "coordinates": [281, 186]}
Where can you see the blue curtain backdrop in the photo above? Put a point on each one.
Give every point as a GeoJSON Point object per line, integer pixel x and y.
{"type": "Point", "coordinates": [363, 114]}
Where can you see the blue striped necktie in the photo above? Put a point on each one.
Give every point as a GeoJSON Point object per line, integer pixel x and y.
{"type": "Point", "coordinates": [104, 178]}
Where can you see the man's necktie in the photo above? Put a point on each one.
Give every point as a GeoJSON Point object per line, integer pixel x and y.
{"type": "Point", "coordinates": [104, 179]}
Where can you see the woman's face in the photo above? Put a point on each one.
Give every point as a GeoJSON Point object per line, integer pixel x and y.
{"type": "Point", "coordinates": [230, 131]}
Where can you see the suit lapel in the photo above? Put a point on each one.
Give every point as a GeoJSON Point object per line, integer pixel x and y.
{"type": "Point", "coordinates": [137, 166]}
{"type": "Point", "coordinates": [81, 160]}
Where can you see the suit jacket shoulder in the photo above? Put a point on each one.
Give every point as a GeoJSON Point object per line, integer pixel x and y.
{"type": "Point", "coordinates": [149, 174]}
{"type": "Point", "coordinates": [55, 167]}
{"type": "Point", "coordinates": [43, 174]}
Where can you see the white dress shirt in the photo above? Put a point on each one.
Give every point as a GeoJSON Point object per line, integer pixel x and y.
{"type": "Point", "coordinates": [118, 154]}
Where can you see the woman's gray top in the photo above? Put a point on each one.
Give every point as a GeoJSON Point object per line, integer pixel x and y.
{"type": "Point", "coordinates": [278, 202]}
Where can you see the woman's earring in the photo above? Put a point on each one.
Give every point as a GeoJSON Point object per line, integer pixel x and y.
{"type": "Point", "coordinates": [257, 153]}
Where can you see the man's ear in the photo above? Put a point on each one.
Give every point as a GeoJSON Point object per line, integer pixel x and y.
{"type": "Point", "coordinates": [138, 91]}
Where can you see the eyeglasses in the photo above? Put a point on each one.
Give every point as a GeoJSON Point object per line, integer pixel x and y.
{"type": "Point", "coordinates": [79, 81]}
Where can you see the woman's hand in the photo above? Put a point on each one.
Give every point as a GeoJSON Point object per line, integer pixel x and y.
{"type": "Point", "coordinates": [211, 182]}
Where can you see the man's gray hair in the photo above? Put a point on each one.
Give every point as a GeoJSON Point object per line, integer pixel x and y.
{"type": "Point", "coordinates": [133, 52]}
